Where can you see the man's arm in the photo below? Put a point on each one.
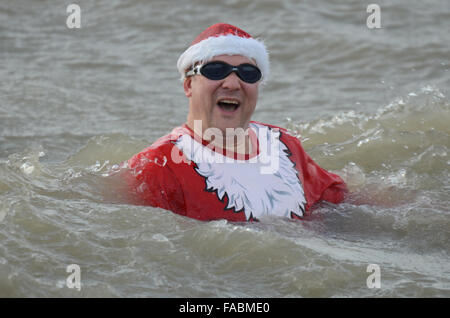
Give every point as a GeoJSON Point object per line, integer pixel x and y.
{"type": "Point", "coordinates": [151, 182]}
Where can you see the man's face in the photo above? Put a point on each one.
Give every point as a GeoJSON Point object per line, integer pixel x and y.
{"type": "Point", "coordinates": [212, 101]}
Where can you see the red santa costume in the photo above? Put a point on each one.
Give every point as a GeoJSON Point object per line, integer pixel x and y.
{"type": "Point", "coordinates": [183, 173]}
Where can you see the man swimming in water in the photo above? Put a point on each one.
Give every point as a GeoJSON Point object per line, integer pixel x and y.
{"type": "Point", "coordinates": [220, 164]}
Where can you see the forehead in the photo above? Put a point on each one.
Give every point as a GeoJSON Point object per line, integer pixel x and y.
{"type": "Point", "coordinates": [233, 59]}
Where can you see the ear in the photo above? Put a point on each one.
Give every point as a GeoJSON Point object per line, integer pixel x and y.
{"type": "Point", "coordinates": [187, 85]}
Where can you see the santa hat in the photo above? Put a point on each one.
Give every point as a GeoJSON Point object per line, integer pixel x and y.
{"type": "Point", "coordinates": [222, 38]}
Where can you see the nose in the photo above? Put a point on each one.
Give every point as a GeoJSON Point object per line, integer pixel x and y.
{"type": "Point", "coordinates": [232, 82]}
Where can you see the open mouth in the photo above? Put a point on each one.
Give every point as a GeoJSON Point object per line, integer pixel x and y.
{"type": "Point", "coordinates": [228, 105]}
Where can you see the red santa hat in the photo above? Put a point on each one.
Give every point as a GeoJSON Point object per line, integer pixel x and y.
{"type": "Point", "coordinates": [222, 38]}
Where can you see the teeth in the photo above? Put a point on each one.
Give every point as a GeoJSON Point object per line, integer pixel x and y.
{"type": "Point", "coordinates": [229, 101]}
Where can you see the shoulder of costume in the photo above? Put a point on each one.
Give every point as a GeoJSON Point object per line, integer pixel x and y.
{"type": "Point", "coordinates": [161, 148]}
{"type": "Point", "coordinates": [289, 139]}
{"type": "Point", "coordinates": [281, 129]}
{"type": "Point", "coordinates": [166, 142]}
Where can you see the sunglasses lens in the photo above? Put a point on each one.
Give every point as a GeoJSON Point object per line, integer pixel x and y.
{"type": "Point", "coordinates": [219, 70]}
{"type": "Point", "coordinates": [249, 73]}
{"type": "Point", "coordinates": [215, 70]}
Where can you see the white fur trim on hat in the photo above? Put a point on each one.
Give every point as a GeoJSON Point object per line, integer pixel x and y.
{"type": "Point", "coordinates": [228, 44]}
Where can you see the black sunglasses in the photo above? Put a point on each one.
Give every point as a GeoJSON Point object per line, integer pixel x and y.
{"type": "Point", "coordinates": [219, 70]}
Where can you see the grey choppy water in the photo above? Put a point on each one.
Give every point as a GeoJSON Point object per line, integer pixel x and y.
{"type": "Point", "coordinates": [371, 105]}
